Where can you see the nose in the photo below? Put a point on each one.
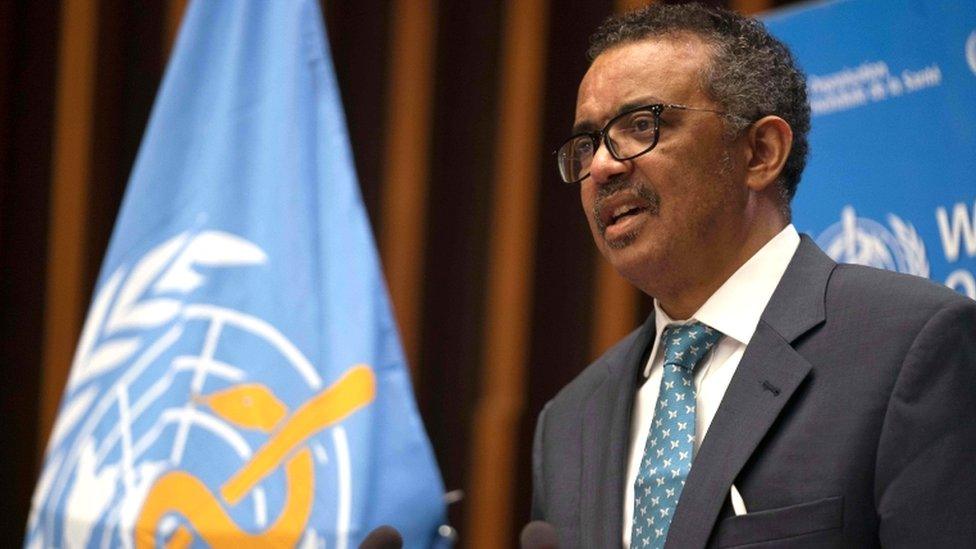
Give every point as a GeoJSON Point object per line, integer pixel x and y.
{"type": "Point", "coordinates": [604, 166]}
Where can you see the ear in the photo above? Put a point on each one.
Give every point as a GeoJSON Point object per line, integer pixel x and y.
{"type": "Point", "coordinates": [769, 141]}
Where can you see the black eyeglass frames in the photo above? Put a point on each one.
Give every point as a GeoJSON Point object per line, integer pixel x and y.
{"type": "Point", "coordinates": [626, 136]}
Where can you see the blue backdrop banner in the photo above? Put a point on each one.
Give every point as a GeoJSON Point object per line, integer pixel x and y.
{"type": "Point", "coordinates": [239, 380]}
{"type": "Point", "coordinates": [891, 180]}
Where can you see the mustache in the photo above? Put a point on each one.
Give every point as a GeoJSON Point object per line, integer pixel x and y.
{"type": "Point", "coordinates": [615, 186]}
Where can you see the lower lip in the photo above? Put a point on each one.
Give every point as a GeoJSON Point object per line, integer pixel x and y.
{"type": "Point", "coordinates": [625, 226]}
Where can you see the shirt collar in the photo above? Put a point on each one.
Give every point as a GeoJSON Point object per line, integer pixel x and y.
{"type": "Point", "coordinates": [735, 308]}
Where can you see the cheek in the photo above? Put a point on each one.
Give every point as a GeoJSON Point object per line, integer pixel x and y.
{"type": "Point", "coordinates": [587, 199]}
{"type": "Point", "coordinates": [678, 181]}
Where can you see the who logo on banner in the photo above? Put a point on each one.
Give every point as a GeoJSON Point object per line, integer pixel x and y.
{"type": "Point", "coordinates": [866, 242]}
{"type": "Point", "coordinates": [239, 380]}
{"type": "Point", "coordinates": [899, 247]}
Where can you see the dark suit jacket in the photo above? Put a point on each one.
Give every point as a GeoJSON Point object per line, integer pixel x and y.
{"type": "Point", "coordinates": [850, 422]}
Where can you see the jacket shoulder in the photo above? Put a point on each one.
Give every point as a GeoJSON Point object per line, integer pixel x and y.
{"type": "Point", "coordinates": [861, 286]}
{"type": "Point", "coordinates": [883, 311]}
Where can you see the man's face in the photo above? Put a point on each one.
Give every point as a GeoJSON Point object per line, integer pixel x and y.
{"type": "Point", "coordinates": [657, 217]}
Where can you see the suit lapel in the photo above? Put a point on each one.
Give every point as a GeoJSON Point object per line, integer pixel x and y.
{"type": "Point", "coordinates": [766, 377]}
{"type": "Point", "coordinates": [768, 374]}
{"type": "Point", "coordinates": [605, 440]}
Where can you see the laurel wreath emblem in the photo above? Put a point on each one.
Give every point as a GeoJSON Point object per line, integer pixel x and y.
{"type": "Point", "coordinates": [912, 246]}
{"type": "Point", "coordinates": [149, 296]}
{"type": "Point", "coordinates": [971, 51]}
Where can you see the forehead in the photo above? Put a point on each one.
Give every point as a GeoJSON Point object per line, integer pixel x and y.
{"type": "Point", "coordinates": [647, 71]}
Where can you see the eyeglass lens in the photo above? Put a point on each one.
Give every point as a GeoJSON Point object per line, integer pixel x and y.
{"type": "Point", "coordinates": [627, 136]}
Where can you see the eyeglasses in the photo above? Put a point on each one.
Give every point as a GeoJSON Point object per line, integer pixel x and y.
{"type": "Point", "coordinates": [626, 136]}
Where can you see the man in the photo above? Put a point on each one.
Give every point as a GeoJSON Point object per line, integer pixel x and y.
{"type": "Point", "coordinates": [774, 398]}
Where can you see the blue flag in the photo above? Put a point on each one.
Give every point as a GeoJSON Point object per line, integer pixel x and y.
{"type": "Point", "coordinates": [239, 378]}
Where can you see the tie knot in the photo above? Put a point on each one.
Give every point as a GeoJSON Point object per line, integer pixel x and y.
{"type": "Point", "coordinates": [685, 345]}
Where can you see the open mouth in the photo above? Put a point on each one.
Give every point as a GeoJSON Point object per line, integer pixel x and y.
{"type": "Point", "coordinates": [623, 212]}
{"type": "Point", "coordinates": [620, 208]}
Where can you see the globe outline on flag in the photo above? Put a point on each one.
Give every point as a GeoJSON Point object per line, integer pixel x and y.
{"type": "Point", "coordinates": [137, 399]}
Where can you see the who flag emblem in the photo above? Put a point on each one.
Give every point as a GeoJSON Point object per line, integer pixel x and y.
{"type": "Point", "coordinates": [239, 381]}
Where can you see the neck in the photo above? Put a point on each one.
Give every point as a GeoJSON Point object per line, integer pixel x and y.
{"type": "Point", "coordinates": [689, 292]}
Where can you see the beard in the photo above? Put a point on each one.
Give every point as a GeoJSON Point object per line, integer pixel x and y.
{"type": "Point", "coordinates": [653, 206]}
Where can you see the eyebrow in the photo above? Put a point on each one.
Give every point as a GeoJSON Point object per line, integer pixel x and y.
{"type": "Point", "coordinates": [586, 126]}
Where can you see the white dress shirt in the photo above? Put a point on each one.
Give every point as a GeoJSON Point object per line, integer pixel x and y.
{"type": "Point", "coordinates": [734, 309]}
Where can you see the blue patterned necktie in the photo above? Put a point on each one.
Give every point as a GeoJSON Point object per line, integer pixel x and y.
{"type": "Point", "coordinates": [671, 440]}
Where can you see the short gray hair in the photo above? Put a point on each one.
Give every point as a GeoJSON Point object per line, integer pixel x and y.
{"type": "Point", "coordinates": [752, 74]}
